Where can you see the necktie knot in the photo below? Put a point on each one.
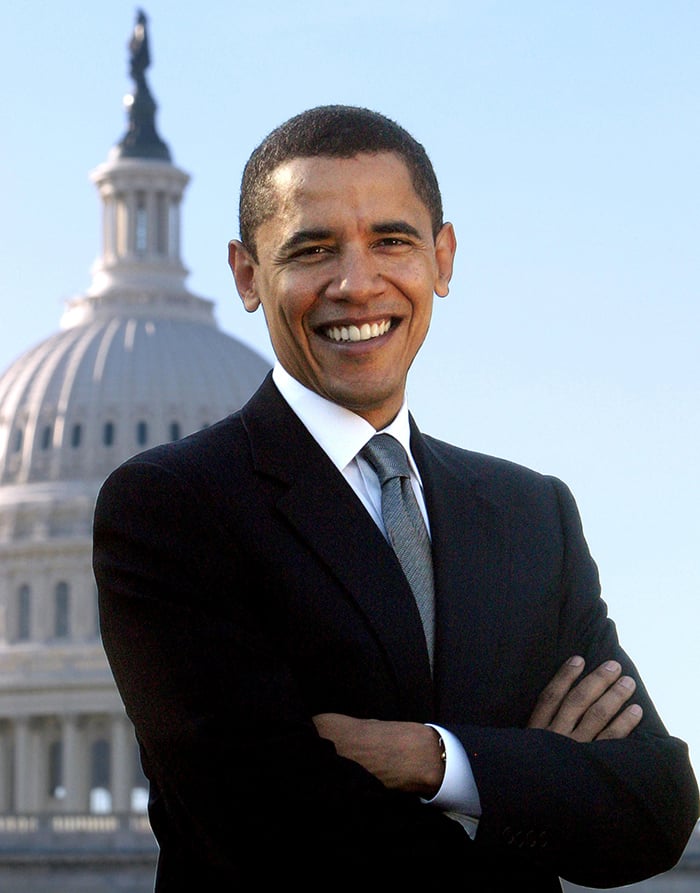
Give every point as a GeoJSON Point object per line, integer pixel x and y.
{"type": "Point", "coordinates": [387, 457]}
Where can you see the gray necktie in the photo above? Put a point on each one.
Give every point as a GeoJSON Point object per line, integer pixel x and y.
{"type": "Point", "coordinates": [404, 524]}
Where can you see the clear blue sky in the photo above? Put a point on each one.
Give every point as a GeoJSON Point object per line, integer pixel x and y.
{"type": "Point", "coordinates": [566, 140]}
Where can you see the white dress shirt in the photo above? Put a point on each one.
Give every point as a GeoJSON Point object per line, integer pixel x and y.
{"type": "Point", "coordinates": [341, 434]}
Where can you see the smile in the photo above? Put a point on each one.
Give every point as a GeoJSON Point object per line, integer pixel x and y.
{"type": "Point", "coordinates": [364, 332]}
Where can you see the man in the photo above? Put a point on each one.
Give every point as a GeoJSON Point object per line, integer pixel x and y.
{"type": "Point", "coordinates": [297, 716]}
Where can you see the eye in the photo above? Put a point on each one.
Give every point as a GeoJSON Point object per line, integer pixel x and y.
{"type": "Point", "coordinates": [310, 252]}
{"type": "Point", "coordinates": [393, 242]}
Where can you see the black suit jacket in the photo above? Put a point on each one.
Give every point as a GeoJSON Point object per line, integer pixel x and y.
{"type": "Point", "coordinates": [243, 589]}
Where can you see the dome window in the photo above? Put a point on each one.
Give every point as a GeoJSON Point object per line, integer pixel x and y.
{"type": "Point", "coordinates": [76, 435]}
{"type": "Point", "coordinates": [100, 772]}
{"type": "Point", "coordinates": [108, 434]}
{"type": "Point", "coordinates": [46, 435]}
{"type": "Point", "coordinates": [55, 771]}
{"type": "Point", "coordinates": [141, 229]}
{"type": "Point", "coordinates": [61, 620]}
{"type": "Point", "coordinates": [24, 613]}
{"type": "Point", "coordinates": [175, 432]}
{"type": "Point", "coordinates": [19, 437]}
{"type": "Point", "coordinates": [142, 433]}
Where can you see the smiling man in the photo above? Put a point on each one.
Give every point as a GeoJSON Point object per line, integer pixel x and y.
{"type": "Point", "coordinates": [353, 653]}
{"type": "Point", "coordinates": [345, 271]}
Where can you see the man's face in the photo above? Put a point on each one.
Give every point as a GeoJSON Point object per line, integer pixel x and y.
{"type": "Point", "coordinates": [346, 271]}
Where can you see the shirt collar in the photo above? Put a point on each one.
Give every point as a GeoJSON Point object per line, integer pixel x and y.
{"type": "Point", "coordinates": [339, 432]}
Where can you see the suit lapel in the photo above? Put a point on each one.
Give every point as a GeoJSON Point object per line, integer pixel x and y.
{"type": "Point", "coordinates": [471, 561]}
{"type": "Point", "coordinates": [321, 507]}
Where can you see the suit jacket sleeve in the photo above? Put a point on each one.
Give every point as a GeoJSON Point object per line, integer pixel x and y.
{"type": "Point", "coordinates": [603, 813]}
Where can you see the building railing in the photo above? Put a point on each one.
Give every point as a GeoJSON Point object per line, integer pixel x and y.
{"type": "Point", "coordinates": [76, 838]}
{"type": "Point", "coordinates": [62, 823]}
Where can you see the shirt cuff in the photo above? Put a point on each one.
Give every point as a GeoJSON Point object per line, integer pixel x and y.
{"type": "Point", "coordinates": [458, 792]}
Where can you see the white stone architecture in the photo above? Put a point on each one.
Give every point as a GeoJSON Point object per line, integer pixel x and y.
{"type": "Point", "coordinates": [139, 360]}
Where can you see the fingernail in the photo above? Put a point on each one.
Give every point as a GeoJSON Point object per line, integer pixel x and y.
{"type": "Point", "coordinates": [612, 666]}
{"type": "Point", "coordinates": [626, 682]}
{"type": "Point", "coordinates": [575, 661]}
{"type": "Point", "coordinates": [636, 710]}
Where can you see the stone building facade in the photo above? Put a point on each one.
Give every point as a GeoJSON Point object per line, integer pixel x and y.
{"type": "Point", "coordinates": [138, 360]}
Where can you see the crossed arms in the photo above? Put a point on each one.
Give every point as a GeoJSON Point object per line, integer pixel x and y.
{"type": "Point", "coordinates": [404, 756]}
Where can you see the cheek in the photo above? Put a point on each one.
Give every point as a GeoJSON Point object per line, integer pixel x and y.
{"type": "Point", "coordinates": [422, 314]}
{"type": "Point", "coordinates": [294, 292]}
{"type": "Point", "coordinates": [287, 325]}
{"type": "Point", "coordinates": [415, 278]}
{"type": "Point", "coordinates": [422, 295]}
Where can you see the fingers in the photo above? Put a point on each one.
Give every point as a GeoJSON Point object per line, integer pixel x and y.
{"type": "Point", "coordinates": [588, 709]}
{"type": "Point", "coordinates": [551, 697]}
{"type": "Point", "coordinates": [596, 701]}
{"type": "Point", "coordinates": [623, 724]}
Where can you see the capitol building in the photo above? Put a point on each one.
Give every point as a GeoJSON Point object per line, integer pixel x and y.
{"type": "Point", "coordinates": [138, 360]}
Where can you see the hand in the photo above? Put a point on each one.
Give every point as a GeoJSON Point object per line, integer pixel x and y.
{"type": "Point", "coordinates": [404, 756]}
{"type": "Point", "coordinates": [590, 710]}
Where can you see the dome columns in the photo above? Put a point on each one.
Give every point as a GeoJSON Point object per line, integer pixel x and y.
{"type": "Point", "coordinates": [141, 201]}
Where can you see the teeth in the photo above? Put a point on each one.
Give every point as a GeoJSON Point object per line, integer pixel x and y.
{"type": "Point", "coordinates": [364, 333]}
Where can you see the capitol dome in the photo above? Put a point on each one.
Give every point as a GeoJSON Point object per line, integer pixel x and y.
{"type": "Point", "coordinates": [131, 368]}
{"type": "Point", "coordinates": [138, 360]}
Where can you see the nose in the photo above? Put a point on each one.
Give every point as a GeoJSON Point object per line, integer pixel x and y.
{"type": "Point", "coordinates": [356, 276]}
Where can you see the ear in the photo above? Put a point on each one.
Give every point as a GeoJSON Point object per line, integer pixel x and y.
{"type": "Point", "coordinates": [445, 248]}
{"type": "Point", "coordinates": [244, 268]}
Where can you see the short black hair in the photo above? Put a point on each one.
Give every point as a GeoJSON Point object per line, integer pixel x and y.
{"type": "Point", "coordinates": [334, 131]}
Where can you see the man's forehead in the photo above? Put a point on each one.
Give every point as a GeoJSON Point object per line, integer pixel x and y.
{"type": "Point", "coordinates": [370, 190]}
{"type": "Point", "coordinates": [293, 173]}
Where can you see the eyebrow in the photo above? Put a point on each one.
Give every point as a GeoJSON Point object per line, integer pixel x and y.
{"type": "Point", "coordinates": [303, 236]}
{"type": "Point", "coordinates": [396, 226]}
